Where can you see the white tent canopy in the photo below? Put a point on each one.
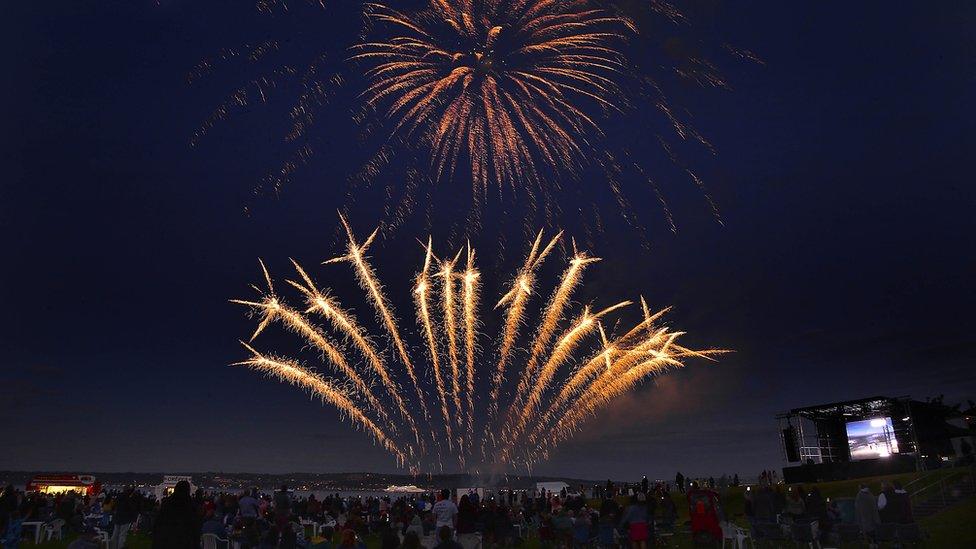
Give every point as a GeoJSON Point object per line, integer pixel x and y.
{"type": "Point", "coordinates": [552, 487]}
{"type": "Point", "coordinates": [166, 487]}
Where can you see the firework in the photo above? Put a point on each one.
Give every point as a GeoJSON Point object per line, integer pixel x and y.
{"type": "Point", "coordinates": [571, 369]}
{"type": "Point", "coordinates": [505, 84]}
{"type": "Point", "coordinates": [522, 95]}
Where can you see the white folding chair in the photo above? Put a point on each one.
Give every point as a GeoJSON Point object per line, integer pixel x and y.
{"type": "Point", "coordinates": [213, 541]}
{"type": "Point", "coordinates": [734, 534]}
{"type": "Point", "coordinates": [53, 530]}
{"type": "Point", "coordinates": [104, 538]}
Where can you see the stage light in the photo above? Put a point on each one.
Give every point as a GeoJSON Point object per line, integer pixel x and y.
{"type": "Point", "coordinates": [877, 423]}
{"type": "Point", "coordinates": [906, 418]}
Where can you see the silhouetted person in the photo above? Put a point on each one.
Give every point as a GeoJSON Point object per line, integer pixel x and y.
{"type": "Point", "coordinates": [866, 511]}
{"type": "Point", "coordinates": [444, 535]}
{"type": "Point", "coordinates": [900, 504]}
{"type": "Point", "coordinates": [177, 526]}
{"type": "Point", "coordinates": [411, 541]}
{"type": "Point", "coordinates": [8, 504]}
{"type": "Point", "coordinates": [388, 538]}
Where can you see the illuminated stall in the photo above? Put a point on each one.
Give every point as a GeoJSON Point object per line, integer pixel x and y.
{"type": "Point", "coordinates": [59, 484]}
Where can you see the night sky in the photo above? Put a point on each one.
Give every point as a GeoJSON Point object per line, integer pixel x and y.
{"type": "Point", "coordinates": [844, 268]}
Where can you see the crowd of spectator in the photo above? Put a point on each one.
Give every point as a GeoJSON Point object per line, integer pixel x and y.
{"type": "Point", "coordinates": [600, 515]}
{"type": "Point", "coordinates": [253, 519]}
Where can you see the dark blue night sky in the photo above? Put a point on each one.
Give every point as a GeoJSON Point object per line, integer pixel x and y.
{"type": "Point", "coordinates": [844, 268]}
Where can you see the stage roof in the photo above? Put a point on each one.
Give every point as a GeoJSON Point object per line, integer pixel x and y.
{"type": "Point", "coordinates": [854, 408]}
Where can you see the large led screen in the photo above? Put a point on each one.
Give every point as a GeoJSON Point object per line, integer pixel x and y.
{"type": "Point", "coordinates": [871, 438]}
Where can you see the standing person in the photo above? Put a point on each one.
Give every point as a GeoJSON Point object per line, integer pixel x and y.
{"type": "Point", "coordinates": [466, 519]}
{"type": "Point", "coordinates": [635, 521]}
{"type": "Point", "coordinates": [679, 482]}
{"type": "Point", "coordinates": [282, 507]}
{"type": "Point", "coordinates": [126, 511]}
{"type": "Point", "coordinates": [177, 526]}
{"type": "Point", "coordinates": [795, 504]}
{"type": "Point", "coordinates": [645, 485]}
{"type": "Point", "coordinates": [866, 511]}
{"type": "Point", "coordinates": [445, 512]}
{"type": "Point", "coordinates": [249, 505]}
{"type": "Point", "coordinates": [8, 504]}
{"type": "Point", "coordinates": [884, 498]}
{"type": "Point", "coordinates": [900, 505]}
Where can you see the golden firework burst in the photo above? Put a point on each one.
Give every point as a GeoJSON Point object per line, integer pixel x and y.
{"type": "Point", "coordinates": [506, 86]}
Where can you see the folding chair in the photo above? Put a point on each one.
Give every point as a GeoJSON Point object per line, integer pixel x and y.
{"type": "Point", "coordinates": [213, 541]}
{"type": "Point", "coordinates": [54, 530]}
{"type": "Point", "coordinates": [734, 534]}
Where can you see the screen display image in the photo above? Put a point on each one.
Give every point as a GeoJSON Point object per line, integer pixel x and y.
{"type": "Point", "coordinates": [871, 438]}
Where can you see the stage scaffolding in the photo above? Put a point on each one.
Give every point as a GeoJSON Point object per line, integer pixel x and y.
{"type": "Point", "coordinates": [818, 434]}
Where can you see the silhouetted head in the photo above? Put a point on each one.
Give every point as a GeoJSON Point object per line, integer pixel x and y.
{"type": "Point", "coordinates": [182, 489]}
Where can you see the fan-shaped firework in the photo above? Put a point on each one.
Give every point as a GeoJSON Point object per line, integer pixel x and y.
{"type": "Point", "coordinates": [499, 82]}
{"type": "Point", "coordinates": [571, 370]}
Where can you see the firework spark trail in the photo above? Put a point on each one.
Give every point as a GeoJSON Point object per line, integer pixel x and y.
{"type": "Point", "coordinates": [346, 324]}
{"type": "Point", "coordinates": [613, 359]}
{"type": "Point", "coordinates": [449, 310]}
{"type": "Point", "coordinates": [617, 355]}
{"type": "Point", "coordinates": [516, 298]}
{"type": "Point", "coordinates": [619, 378]}
{"type": "Point", "coordinates": [300, 325]}
{"type": "Point", "coordinates": [422, 299]}
{"type": "Point", "coordinates": [615, 384]}
{"type": "Point", "coordinates": [550, 322]}
{"type": "Point", "coordinates": [368, 282]}
{"type": "Point", "coordinates": [470, 298]}
{"type": "Point", "coordinates": [562, 351]}
{"type": "Point", "coordinates": [292, 372]}
{"type": "Point", "coordinates": [592, 402]}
